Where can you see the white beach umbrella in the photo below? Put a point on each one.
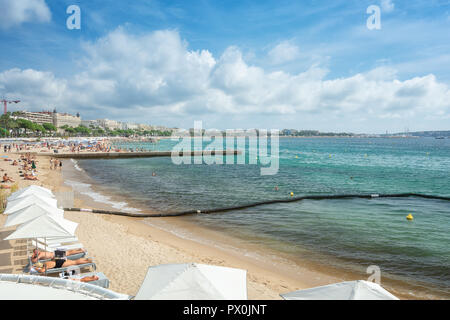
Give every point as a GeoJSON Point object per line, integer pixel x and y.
{"type": "Point", "coordinates": [349, 290]}
{"type": "Point", "coordinates": [30, 212]}
{"type": "Point", "coordinates": [192, 281]}
{"type": "Point", "coordinates": [20, 203]}
{"type": "Point", "coordinates": [33, 189]}
{"type": "Point", "coordinates": [45, 226]}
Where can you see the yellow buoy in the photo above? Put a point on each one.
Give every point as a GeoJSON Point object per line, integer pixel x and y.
{"type": "Point", "coordinates": [296, 157]}
{"type": "Point", "coordinates": [292, 194]}
{"type": "Point", "coordinates": [409, 217]}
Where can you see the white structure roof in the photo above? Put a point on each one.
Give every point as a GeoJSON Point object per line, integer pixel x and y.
{"type": "Point", "coordinates": [27, 287]}
{"type": "Point", "coordinates": [193, 281]}
{"type": "Point", "coordinates": [33, 189]}
{"type": "Point", "coordinates": [20, 203]}
{"type": "Point", "coordinates": [349, 290]}
{"type": "Point", "coordinates": [44, 226]}
{"type": "Point", "coordinates": [31, 212]}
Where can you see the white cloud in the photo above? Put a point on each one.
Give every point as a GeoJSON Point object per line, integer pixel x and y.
{"type": "Point", "coordinates": [155, 75]}
{"type": "Point", "coordinates": [387, 6]}
{"type": "Point", "coordinates": [284, 52]}
{"type": "Point", "coordinates": [16, 12]}
{"type": "Point", "coordinates": [34, 88]}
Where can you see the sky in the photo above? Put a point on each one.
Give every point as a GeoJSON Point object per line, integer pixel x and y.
{"type": "Point", "coordinates": [232, 64]}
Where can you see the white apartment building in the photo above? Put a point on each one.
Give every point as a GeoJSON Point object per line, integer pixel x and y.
{"type": "Point", "coordinates": [109, 124]}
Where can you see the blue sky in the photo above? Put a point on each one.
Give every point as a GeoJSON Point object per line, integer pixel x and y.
{"type": "Point", "coordinates": [265, 64]}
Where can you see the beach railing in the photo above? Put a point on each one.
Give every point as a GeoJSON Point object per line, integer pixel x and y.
{"type": "Point", "coordinates": [87, 289]}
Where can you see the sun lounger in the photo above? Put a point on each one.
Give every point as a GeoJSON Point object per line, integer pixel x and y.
{"type": "Point", "coordinates": [65, 269]}
{"type": "Point", "coordinates": [102, 281]}
{"type": "Point", "coordinates": [71, 257]}
{"type": "Point", "coordinates": [53, 247]}
{"type": "Point", "coordinates": [58, 240]}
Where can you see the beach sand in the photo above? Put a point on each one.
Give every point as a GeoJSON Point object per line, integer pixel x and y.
{"type": "Point", "coordinates": [123, 248]}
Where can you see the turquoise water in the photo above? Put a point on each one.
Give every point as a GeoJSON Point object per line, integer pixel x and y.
{"type": "Point", "coordinates": [350, 234]}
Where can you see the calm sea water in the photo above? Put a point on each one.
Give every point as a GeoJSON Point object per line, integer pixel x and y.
{"type": "Point", "coordinates": [345, 233]}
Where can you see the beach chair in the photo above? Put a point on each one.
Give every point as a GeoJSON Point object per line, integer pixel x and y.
{"type": "Point", "coordinates": [102, 281]}
{"type": "Point", "coordinates": [90, 265]}
{"type": "Point", "coordinates": [76, 256]}
{"type": "Point", "coordinates": [55, 246]}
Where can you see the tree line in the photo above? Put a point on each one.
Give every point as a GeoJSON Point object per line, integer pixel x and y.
{"type": "Point", "coordinates": [17, 127]}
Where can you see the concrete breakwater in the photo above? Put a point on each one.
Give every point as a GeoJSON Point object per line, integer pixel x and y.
{"type": "Point", "coordinates": [145, 154]}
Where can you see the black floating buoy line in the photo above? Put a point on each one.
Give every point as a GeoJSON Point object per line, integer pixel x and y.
{"type": "Point", "coordinates": [261, 203]}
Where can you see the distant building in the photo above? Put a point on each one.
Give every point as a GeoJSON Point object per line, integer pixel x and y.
{"type": "Point", "coordinates": [62, 119]}
{"type": "Point", "coordinates": [37, 117]}
{"type": "Point", "coordinates": [129, 125]}
{"type": "Point", "coordinates": [90, 123]}
{"type": "Point", "coordinates": [144, 127]}
{"type": "Point", "coordinates": [109, 124]}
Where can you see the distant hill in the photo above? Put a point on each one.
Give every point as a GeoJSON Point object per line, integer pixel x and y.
{"type": "Point", "coordinates": [428, 133]}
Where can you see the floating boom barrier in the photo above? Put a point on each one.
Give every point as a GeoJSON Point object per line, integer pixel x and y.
{"type": "Point", "coordinates": [261, 203]}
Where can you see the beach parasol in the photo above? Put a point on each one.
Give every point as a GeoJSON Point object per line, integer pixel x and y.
{"type": "Point", "coordinates": [30, 212]}
{"type": "Point", "coordinates": [44, 226]}
{"type": "Point", "coordinates": [192, 281]}
{"type": "Point", "coordinates": [20, 203]}
{"type": "Point", "coordinates": [349, 290]}
{"type": "Point", "coordinates": [31, 190]}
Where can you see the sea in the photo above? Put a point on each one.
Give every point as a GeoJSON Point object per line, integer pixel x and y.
{"type": "Point", "coordinates": [413, 256]}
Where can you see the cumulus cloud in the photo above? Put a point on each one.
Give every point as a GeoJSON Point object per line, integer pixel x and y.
{"type": "Point", "coordinates": [16, 12]}
{"type": "Point", "coordinates": [284, 52]}
{"type": "Point", "coordinates": [153, 74]}
{"type": "Point", "coordinates": [35, 88]}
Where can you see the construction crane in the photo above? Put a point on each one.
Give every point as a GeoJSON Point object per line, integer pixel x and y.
{"type": "Point", "coordinates": [5, 102]}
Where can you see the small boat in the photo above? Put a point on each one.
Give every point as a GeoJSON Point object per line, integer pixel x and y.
{"type": "Point", "coordinates": [439, 138]}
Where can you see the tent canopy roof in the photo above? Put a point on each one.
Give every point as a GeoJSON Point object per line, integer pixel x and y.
{"type": "Point", "coordinates": [191, 281]}
{"type": "Point", "coordinates": [349, 290]}
{"type": "Point", "coordinates": [30, 212]}
{"type": "Point", "coordinates": [44, 226]}
{"type": "Point", "coordinates": [33, 189]}
{"type": "Point", "coordinates": [20, 203]}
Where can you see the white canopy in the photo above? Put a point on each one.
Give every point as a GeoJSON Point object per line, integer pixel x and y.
{"type": "Point", "coordinates": [24, 291]}
{"type": "Point", "coordinates": [33, 189]}
{"type": "Point", "coordinates": [30, 212]}
{"type": "Point", "coordinates": [29, 287]}
{"type": "Point", "coordinates": [20, 203]}
{"type": "Point", "coordinates": [44, 226]}
{"type": "Point", "coordinates": [349, 290]}
{"type": "Point", "coordinates": [192, 281]}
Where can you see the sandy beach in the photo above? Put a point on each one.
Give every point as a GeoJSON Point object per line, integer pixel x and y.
{"type": "Point", "coordinates": [125, 247]}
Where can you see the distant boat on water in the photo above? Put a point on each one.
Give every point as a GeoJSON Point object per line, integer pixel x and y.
{"type": "Point", "coordinates": [439, 138]}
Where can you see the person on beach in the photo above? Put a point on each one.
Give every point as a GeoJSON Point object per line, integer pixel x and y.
{"type": "Point", "coordinates": [59, 263]}
{"type": "Point", "coordinates": [27, 176]}
{"type": "Point", "coordinates": [6, 178]}
{"type": "Point", "coordinates": [44, 255]}
{"type": "Point", "coordinates": [85, 279]}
